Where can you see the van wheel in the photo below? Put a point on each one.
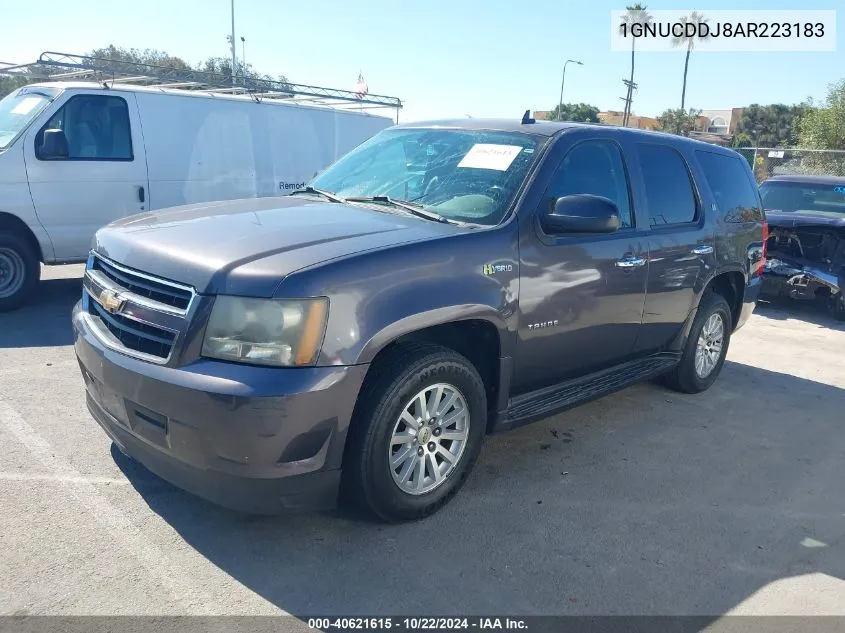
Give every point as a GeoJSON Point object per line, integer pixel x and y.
{"type": "Point", "coordinates": [416, 432]}
{"type": "Point", "coordinates": [20, 271]}
{"type": "Point", "coordinates": [706, 347]}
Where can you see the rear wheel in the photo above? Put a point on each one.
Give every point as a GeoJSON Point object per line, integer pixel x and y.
{"type": "Point", "coordinates": [706, 347]}
{"type": "Point", "coordinates": [416, 433]}
{"type": "Point", "coordinates": [20, 271]}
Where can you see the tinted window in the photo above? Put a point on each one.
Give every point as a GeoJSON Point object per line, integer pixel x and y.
{"type": "Point", "coordinates": [731, 186]}
{"type": "Point", "coordinates": [96, 128]}
{"type": "Point", "coordinates": [593, 167]}
{"type": "Point", "coordinates": [804, 197]}
{"type": "Point", "coordinates": [667, 185]}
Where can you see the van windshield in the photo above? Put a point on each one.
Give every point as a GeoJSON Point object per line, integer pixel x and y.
{"type": "Point", "coordinates": [19, 108]}
{"type": "Point", "coordinates": [465, 175]}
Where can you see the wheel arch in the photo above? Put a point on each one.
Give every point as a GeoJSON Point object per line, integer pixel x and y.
{"type": "Point", "coordinates": [730, 283]}
{"type": "Point", "coordinates": [12, 223]}
{"type": "Point", "coordinates": [480, 336]}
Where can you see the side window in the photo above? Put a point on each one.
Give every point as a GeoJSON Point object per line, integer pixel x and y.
{"type": "Point", "coordinates": [668, 188]}
{"type": "Point", "coordinates": [593, 167]}
{"type": "Point", "coordinates": [96, 128]}
{"type": "Point", "coordinates": [731, 186]}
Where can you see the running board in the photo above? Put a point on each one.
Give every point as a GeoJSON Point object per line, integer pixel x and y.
{"type": "Point", "coordinates": [541, 403]}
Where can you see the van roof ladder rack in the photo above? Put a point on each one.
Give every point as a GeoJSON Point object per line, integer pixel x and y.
{"type": "Point", "coordinates": [52, 66]}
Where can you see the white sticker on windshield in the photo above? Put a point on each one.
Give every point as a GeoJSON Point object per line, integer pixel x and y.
{"type": "Point", "coordinates": [27, 105]}
{"type": "Point", "coordinates": [488, 156]}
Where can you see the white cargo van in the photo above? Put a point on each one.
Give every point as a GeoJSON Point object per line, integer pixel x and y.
{"type": "Point", "coordinates": [75, 156]}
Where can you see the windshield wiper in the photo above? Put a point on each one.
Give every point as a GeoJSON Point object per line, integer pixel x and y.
{"type": "Point", "coordinates": [328, 195]}
{"type": "Point", "coordinates": [416, 210]}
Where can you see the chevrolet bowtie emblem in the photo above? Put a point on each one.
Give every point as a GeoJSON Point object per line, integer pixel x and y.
{"type": "Point", "coordinates": [111, 301]}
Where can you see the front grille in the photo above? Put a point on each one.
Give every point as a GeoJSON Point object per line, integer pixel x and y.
{"type": "Point", "coordinates": [144, 286]}
{"type": "Point", "coordinates": [135, 313]}
{"type": "Point", "coordinates": [140, 337]}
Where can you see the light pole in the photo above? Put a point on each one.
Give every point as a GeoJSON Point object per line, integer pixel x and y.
{"type": "Point", "coordinates": [234, 55]}
{"type": "Point", "coordinates": [562, 79]}
{"type": "Point", "coordinates": [243, 57]}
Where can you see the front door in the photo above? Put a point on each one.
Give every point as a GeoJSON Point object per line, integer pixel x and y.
{"type": "Point", "coordinates": [103, 177]}
{"type": "Point", "coordinates": [581, 296]}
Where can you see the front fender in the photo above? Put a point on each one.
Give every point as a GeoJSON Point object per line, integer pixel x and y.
{"type": "Point", "coordinates": [378, 296]}
{"type": "Point", "coordinates": [437, 316]}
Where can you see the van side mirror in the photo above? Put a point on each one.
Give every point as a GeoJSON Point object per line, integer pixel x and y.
{"type": "Point", "coordinates": [53, 146]}
{"type": "Point", "coordinates": [581, 213]}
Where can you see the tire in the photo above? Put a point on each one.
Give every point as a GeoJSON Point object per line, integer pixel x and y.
{"type": "Point", "coordinates": [20, 271]}
{"type": "Point", "coordinates": [368, 479]}
{"type": "Point", "coordinates": [684, 377]}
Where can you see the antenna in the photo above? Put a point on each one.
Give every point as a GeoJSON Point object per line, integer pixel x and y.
{"type": "Point", "coordinates": [526, 118]}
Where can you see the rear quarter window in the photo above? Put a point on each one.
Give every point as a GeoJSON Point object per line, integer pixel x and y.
{"type": "Point", "coordinates": [730, 183]}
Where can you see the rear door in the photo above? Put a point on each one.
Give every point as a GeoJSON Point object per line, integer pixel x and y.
{"type": "Point", "coordinates": [104, 176]}
{"type": "Point", "coordinates": [680, 242]}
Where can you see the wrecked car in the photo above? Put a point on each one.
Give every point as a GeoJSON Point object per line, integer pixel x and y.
{"type": "Point", "coordinates": [806, 243]}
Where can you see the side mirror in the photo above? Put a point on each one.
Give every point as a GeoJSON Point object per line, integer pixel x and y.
{"type": "Point", "coordinates": [53, 146]}
{"type": "Point", "coordinates": [582, 213]}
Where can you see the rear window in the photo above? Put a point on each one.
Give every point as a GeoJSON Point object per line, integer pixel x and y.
{"type": "Point", "coordinates": [731, 186]}
{"type": "Point", "coordinates": [668, 187]}
{"type": "Point", "coordinates": [803, 197]}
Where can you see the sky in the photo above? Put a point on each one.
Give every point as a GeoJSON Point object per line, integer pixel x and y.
{"type": "Point", "coordinates": [443, 58]}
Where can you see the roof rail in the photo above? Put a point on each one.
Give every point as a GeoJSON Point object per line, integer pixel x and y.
{"type": "Point", "coordinates": [50, 66]}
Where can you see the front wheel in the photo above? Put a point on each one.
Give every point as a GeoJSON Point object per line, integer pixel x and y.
{"type": "Point", "coordinates": [416, 432]}
{"type": "Point", "coordinates": [705, 349]}
{"type": "Point", "coordinates": [20, 271]}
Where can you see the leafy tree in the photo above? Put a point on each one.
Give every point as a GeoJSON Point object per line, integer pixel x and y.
{"type": "Point", "coordinates": [115, 56]}
{"type": "Point", "coordinates": [580, 112]}
{"type": "Point", "coordinates": [741, 140]}
{"type": "Point", "coordinates": [774, 125]}
{"type": "Point", "coordinates": [695, 19]}
{"type": "Point", "coordinates": [824, 127]}
{"type": "Point", "coordinates": [10, 84]}
{"type": "Point", "coordinates": [636, 14]}
{"type": "Point", "coordinates": [679, 121]}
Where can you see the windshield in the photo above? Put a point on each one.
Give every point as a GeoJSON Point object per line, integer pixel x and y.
{"type": "Point", "coordinates": [464, 175]}
{"type": "Point", "coordinates": [803, 197]}
{"type": "Point", "coordinates": [19, 108]}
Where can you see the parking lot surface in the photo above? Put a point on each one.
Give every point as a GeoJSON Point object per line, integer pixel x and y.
{"type": "Point", "coordinates": [643, 502]}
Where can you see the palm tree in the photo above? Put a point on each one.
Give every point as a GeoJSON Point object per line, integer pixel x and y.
{"type": "Point", "coordinates": [636, 14]}
{"type": "Point", "coordinates": [695, 18]}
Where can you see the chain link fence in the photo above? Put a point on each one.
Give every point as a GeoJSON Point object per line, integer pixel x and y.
{"type": "Point", "coordinates": [772, 161]}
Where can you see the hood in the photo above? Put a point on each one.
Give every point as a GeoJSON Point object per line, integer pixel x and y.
{"type": "Point", "coordinates": [790, 220]}
{"type": "Point", "coordinates": [246, 247]}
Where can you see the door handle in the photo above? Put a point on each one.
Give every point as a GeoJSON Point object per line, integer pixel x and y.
{"type": "Point", "coordinates": [141, 194]}
{"type": "Point", "coordinates": [703, 249]}
{"type": "Point", "coordinates": [630, 262]}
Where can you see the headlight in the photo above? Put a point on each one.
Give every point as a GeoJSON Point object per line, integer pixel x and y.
{"type": "Point", "coordinates": [278, 332]}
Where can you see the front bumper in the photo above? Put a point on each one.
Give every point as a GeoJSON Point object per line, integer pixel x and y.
{"type": "Point", "coordinates": [255, 439]}
{"type": "Point", "coordinates": [799, 279]}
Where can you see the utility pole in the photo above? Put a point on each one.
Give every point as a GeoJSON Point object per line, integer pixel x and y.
{"type": "Point", "coordinates": [562, 79]}
{"type": "Point", "coordinates": [628, 99]}
{"type": "Point", "coordinates": [234, 55]}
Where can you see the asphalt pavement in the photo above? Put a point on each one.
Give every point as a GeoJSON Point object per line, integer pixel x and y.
{"type": "Point", "coordinates": [644, 502]}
